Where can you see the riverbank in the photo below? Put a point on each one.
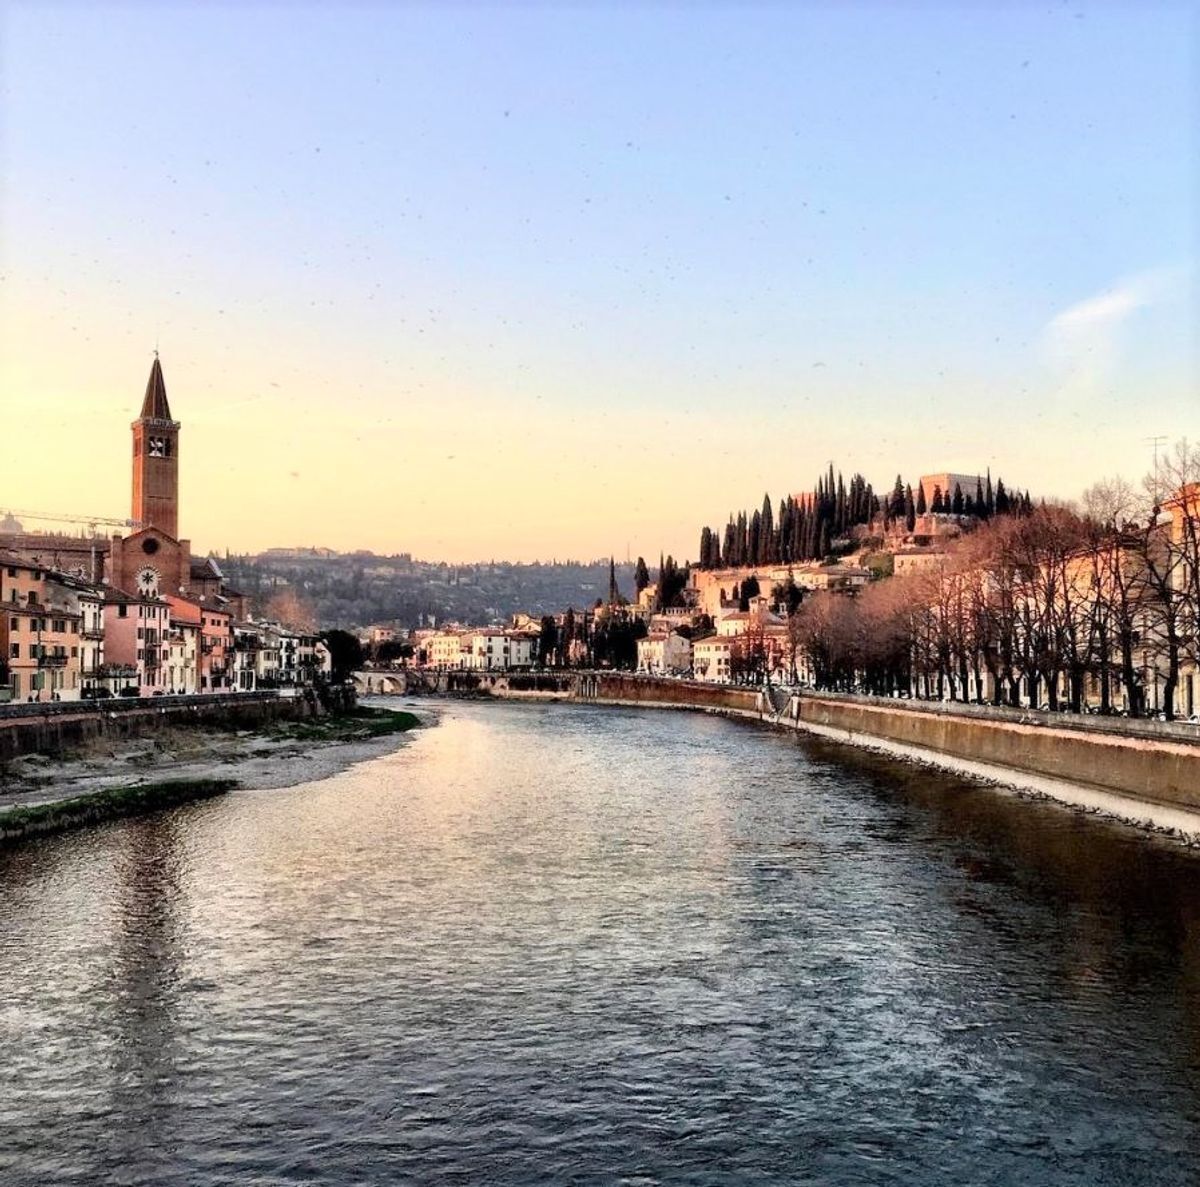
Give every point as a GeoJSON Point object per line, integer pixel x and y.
{"type": "Point", "coordinates": [39, 820]}
{"type": "Point", "coordinates": [280, 754]}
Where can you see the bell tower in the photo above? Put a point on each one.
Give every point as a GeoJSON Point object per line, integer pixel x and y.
{"type": "Point", "coordinates": [156, 459]}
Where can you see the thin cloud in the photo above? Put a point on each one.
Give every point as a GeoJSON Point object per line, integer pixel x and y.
{"type": "Point", "coordinates": [1084, 340]}
{"type": "Point", "coordinates": [1098, 311]}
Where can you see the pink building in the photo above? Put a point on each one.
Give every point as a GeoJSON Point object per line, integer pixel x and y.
{"type": "Point", "coordinates": [135, 630]}
{"type": "Point", "coordinates": [215, 624]}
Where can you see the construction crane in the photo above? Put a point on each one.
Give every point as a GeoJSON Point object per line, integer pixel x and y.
{"type": "Point", "coordinates": [93, 571]}
{"type": "Point", "coordinates": [92, 521]}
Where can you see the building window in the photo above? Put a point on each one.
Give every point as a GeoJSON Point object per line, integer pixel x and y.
{"type": "Point", "coordinates": [122, 611]}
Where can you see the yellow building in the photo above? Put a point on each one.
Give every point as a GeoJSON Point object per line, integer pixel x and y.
{"type": "Point", "coordinates": [40, 636]}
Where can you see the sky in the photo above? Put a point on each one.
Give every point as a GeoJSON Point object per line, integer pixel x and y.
{"type": "Point", "coordinates": [534, 282]}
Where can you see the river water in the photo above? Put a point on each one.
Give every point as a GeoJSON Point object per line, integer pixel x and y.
{"type": "Point", "coordinates": [561, 944]}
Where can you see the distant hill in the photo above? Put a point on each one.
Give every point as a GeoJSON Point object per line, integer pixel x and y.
{"type": "Point", "coordinates": [356, 589]}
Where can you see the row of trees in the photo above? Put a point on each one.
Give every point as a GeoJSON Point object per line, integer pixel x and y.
{"type": "Point", "coordinates": [983, 501]}
{"type": "Point", "coordinates": [811, 527]}
{"type": "Point", "coordinates": [1046, 607]}
{"type": "Point", "coordinates": [804, 529]}
{"type": "Point", "coordinates": [672, 581]}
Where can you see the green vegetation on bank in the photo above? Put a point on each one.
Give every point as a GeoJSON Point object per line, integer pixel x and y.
{"type": "Point", "coordinates": [137, 800]}
{"type": "Point", "coordinates": [357, 725]}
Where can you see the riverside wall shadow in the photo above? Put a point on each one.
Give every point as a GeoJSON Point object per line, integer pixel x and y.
{"type": "Point", "coordinates": [66, 727]}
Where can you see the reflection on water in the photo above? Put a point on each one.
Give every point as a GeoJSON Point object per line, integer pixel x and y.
{"type": "Point", "coordinates": [563, 944]}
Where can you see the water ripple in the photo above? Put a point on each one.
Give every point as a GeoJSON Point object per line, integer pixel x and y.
{"type": "Point", "coordinates": [549, 944]}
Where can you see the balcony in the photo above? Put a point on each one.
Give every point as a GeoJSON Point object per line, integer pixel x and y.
{"type": "Point", "coordinates": [95, 633]}
{"type": "Point", "coordinates": [52, 661]}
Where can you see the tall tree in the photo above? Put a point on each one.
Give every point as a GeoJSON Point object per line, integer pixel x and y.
{"type": "Point", "coordinates": [641, 575]}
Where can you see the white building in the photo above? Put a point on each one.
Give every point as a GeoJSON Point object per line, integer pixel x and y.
{"type": "Point", "coordinates": [246, 644]}
{"type": "Point", "coordinates": [182, 656]}
{"type": "Point", "coordinates": [266, 668]}
{"type": "Point", "coordinates": [81, 598]}
{"type": "Point", "coordinates": [496, 650]}
{"type": "Point", "coordinates": [713, 658]}
{"type": "Point", "coordinates": [664, 653]}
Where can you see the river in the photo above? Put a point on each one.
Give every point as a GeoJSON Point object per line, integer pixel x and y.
{"type": "Point", "coordinates": [568, 944]}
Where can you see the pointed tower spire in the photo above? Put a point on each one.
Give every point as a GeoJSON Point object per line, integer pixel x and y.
{"type": "Point", "coordinates": [156, 459]}
{"type": "Point", "coordinates": [155, 406]}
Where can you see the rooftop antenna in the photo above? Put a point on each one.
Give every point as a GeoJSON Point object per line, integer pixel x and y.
{"type": "Point", "coordinates": [1155, 442]}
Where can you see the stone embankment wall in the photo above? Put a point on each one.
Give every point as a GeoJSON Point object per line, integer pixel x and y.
{"type": "Point", "coordinates": [1163, 772]}
{"type": "Point", "coordinates": [1157, 771]}
{"type": "Point", "coordinates": [61, 728]}
{"type": "Point", "coordinates": [648, 690]}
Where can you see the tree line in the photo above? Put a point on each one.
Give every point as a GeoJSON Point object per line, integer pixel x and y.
{"type": "Point", "coordinates": [1057, 607]}
{"type": "Point", "coordinates": [814, 526]}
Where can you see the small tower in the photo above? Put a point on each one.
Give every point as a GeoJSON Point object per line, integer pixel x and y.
{"type": "Point", "coordinates": [156, 459]}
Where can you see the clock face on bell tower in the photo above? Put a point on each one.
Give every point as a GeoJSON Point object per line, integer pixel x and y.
{"type": "Point", "coordinates": [156, 460]}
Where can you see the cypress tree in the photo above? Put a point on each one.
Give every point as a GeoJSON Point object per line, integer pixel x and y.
{"type": "Point", "coordinates": [922, 507]}
{"type": "Point", "coordinates": [980, 504]}
{"type": "Point", "coordinates": [1002, 506]}
{"type": "Point", "coordinates": [730, 549]}
{"type": "Point", "coordinates": [936, 506]}
{"type": "Point", "coordinates": [641, 575]}
{"type": "Point", "coordinates": [910, 510]}
{"type": "Point", "coordinates": [956, 504]}
{"type": "Point", "coordinates": [990, 505]}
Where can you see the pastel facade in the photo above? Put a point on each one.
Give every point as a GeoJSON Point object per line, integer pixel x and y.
{"type": "Point", "coordinates": [246, 646]}
{"type": "Point", "coordinates": [494, 650]}
{"type": "Point", "coordinates": [135, 639]}
{"type": "Point", "coordinates": [40, 634]}
{"type": "Point", "coordinates": [664, 653]}
{"type": "Point", "coordinates": [183, 654]}
{"type": "Point", "coordinates": [714, 658]}
{"type": "Point", "coordinates": [443, 649]}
